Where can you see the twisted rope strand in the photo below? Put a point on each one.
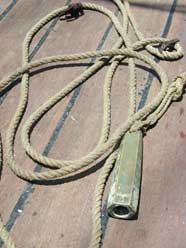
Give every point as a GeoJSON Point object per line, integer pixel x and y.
{"type": "Point", "coordinates": [5, 236]}
{"type": "Point", "coordinates": [142, 119]}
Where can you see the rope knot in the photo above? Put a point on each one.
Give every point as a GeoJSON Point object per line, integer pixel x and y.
{"type": "Point", "coordinates": [144, 124]}
{"type": "Point", "coordinates": [179, 86]}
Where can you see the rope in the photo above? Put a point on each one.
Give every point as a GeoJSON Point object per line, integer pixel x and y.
{"type": "Point", "coordinates": [107, 145]}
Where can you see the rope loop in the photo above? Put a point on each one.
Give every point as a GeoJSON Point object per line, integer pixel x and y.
{"type": "Point", "coordinates": [106, 147]}
{"type": "Point", "coordinates": [175, 54]}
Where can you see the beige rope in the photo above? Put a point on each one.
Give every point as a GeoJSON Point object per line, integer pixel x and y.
{"type": "Point", "coordinates": [106, 147]}
{"type": "Point", "coordinates": [5, 236]}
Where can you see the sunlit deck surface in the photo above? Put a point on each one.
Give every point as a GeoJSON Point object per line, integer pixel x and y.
{"type": "Point", "coordinates": [59, 214]}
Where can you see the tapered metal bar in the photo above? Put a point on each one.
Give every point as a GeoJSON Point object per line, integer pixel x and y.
{"type": "Point", "coordinates": [125, 188]}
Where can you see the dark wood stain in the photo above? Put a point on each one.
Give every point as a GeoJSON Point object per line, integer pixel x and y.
{"type": "Point", "coordinates": [182, 135]}
{"type": "Point", "coordinates": [181, 111]}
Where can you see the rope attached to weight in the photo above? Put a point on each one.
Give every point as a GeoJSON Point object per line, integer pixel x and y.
{"type": "Point", "coordinates": [106, 147]}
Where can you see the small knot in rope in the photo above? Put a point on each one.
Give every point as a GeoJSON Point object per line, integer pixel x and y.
{"type": "Point", "coordinates": [178, 86]}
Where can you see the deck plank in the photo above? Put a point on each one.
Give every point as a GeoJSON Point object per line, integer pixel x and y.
{"type": "Point", "coordinates": [43, 81]}
{"type": "Point", "coordinates": [61, 214]}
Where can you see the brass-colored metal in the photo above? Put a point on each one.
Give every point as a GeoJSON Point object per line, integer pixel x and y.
{"type": "Point", "coordinates": [125, 188]}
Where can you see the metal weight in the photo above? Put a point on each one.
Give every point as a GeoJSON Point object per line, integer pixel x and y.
{"type": "Point", "coordinates": [125, 188]}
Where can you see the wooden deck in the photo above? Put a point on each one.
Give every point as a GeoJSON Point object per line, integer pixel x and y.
{"type": "Point", "coordinates": [59, 215]}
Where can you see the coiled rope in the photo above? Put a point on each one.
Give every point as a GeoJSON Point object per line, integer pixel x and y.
{"type": "Point", "coordinates": [107, 145]}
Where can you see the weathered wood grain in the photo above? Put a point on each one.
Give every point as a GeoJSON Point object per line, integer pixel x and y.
{"type": "Point", "coordinates": [60, 215]}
